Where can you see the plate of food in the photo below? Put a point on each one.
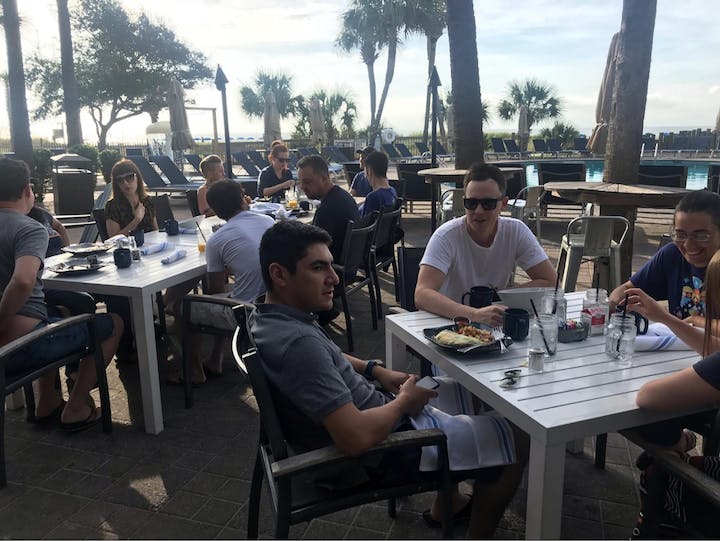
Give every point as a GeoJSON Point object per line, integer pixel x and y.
{"type": "Point", "coordinates": [475, 337]}
{"type": "Point", "coordinates": [86, 248]}
{"type": "Point", "coordinates": [76, 266]}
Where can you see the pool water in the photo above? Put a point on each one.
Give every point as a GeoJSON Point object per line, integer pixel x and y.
{"type": "Point", "coordinates": [697, 171]}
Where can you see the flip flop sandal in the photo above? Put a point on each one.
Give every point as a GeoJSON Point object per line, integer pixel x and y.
{"type": "Point", "coordinates": [462, 515]}
{"type": "Point", "coordinates": [79, 426]}
{"type": "Point", "coordinates": [52, 417]}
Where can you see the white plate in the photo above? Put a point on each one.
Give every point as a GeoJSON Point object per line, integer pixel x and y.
{"type": "Point", "coordinates": [265, 208]}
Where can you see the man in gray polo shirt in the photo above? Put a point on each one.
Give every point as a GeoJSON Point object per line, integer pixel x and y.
{"type": "Point", "coordinates": [326, 396]}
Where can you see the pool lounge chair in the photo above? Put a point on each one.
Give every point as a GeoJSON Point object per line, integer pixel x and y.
{"type": "Point", "coordinates": [243, 161]}
{"type": "Point", "coordinates": [422, 148]}
{"type": "Point", "coordinates": [541, 146]}
{"type": "Point", "coordinates": [674, 176]}
{"type": "Point", "coordinates": [334, 154]}
{"type": "Point", "coordinates": [194, 160]}
{"type": "Point", "coordinates": [498, 148]}
{"type": "Point", "coordinates": [171, 171]}
{"type": "Point", "coordinates": [404, 151]}
{"type": "Point", "coordinates": [257, 158]}
{"type": "Point", "coordinates": [554, 146]}
{"type": "Point", "coordinates": [391, 151]}
{"type": "Point", "coordinates": [152, 178]}
{"type": "Point", "coordinates": [513, 150]}
{"type": "Point", "coordinates": [580, 145]}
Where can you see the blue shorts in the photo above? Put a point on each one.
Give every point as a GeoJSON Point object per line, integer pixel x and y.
{"type": "Point", "coordinates": [75, 338]}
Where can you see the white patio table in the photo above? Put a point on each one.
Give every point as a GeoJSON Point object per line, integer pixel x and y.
{"type": "Point", "coordinates": [580, 393]}
{"type": "Point", "coordinates": [139, 283]}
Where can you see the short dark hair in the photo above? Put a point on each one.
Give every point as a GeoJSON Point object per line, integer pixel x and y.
{"type": "Point", "coordinates": [209, 161]}
{"type": "Point", "coordinates": [315, 162]}
{"type": "Point", "coordinates": [378, 162]}
{"type": "Point", "coordinates": [701, 201]}
{"type": "Point", "coordinates": [286, 243]}
{"type": "Point", "coordinates": [482, 171]}
{"type": "Point", "coordinates": [226, 198]}
{"type": "Point", "coordinates": [14, 177]}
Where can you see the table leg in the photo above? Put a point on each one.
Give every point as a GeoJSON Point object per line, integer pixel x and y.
{"type": "Point", "coordinates": [142, 315]}
{"type": "Point", "coordinates": [394, 350]}
{"type": "Point", "coordinates": [545, 490]}
{"type": "Point", "coordinates": [434, 187]}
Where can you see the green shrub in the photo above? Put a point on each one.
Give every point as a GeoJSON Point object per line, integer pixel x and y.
{"type": "Point", "coordinates": [42, 169]}
{"type": "Point", "coordinates": [87, 151]}
{"type": "Point", "coordinates": [108, 158]}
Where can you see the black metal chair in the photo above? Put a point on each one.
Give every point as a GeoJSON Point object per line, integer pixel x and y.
{"type": "Point", "coordinates": [382, 251]}
{"type": "Point", "coordinates": [416, 189]}
{"type": "Point", "coordinates": [674, 176]}
{"type": "Point", "coordinates": [356, 256]}
{"type": "Point", "coordinates": [23, 380]}
{"type": "Point", "coordinates": [294, 494]}
{"type": "Point", "coordinates": [192, 200]}
{"type": "Point", "coordinates": [190, 327]}
{"type": "Point", "coordinates": [163, 210]}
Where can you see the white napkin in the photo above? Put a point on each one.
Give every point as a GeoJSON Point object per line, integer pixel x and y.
{"type": "Point", "coordinates": [154, 248]}
{"type": "Point", "coordinates": [188, 230]}
{"type": "Point", "coordinates": [175, 256]}
{"type": "Point", "coordinates": [659, 337]}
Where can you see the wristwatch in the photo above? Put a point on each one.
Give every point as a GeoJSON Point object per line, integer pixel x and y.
{"type": "Point", "coordinates": [369, 368]}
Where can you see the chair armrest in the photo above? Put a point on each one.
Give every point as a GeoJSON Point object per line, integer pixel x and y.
{"type": "Point", "coordinates": [191, 299]}
{"type": "Point", "coordinates": [698, 481]}
{"type": "Point", "coordinates": [19, 343]}
{"type": "Point", "coordinates": [326, 456]}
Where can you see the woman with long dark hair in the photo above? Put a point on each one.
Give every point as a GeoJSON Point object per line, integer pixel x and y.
{"type": "Point", "coordinates": [130, 208]}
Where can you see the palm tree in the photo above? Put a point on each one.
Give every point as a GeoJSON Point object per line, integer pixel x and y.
{"type": "Point", "coordinates": [19, 118]}
{"type": "Point", "coordinates": [428, 17]}
{"type": "Point", "coordinates": [358, 31]}
{"type": "Point", "coordinates": [71, 101]}
{"type": "Point", "coordinates": [370, 25]}
{"type": "Point", "coordinates": [465, 75]}
{"type": "Point", "coordinates": [565, 133]}
{"type": "Point", "coordinates": [338, 109]}
{"type": "Point", "coordinates": [536, 96]}
{"type": "Point", "coordinates": [253, 99]}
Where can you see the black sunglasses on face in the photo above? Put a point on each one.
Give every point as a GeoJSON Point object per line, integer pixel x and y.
{"type": "Point", "coordinates": [487, 203]}
{"type": "Point", "coordinates": [283, 160]}
{"type": "Point", "coordinates": [127, 177]}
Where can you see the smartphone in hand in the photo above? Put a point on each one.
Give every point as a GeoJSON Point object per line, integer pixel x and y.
{"type": "Point", "coordinates": [428, 382]}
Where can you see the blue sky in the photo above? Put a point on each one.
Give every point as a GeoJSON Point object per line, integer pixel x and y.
{"type": "Point", "coordinates": [563, 43]}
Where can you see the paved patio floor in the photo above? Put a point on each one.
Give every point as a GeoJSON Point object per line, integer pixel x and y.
{"type": "Point", "coordinates": [192, 480]}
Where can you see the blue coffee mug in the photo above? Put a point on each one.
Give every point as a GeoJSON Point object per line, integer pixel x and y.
{"type": "Point", "coordinates": [122, 257]}
{"type": "Point", "coordinates": [516, 323]}
{"type": "Point", "coordinates": [172, 227]}
{"type": "Point", "coordinates": [139, 236]}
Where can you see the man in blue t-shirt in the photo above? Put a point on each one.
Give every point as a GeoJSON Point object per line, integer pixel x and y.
{"type": "Point", "coordinates": [360, 185]}
{"type": "Point", "coordinates": [677, 271]}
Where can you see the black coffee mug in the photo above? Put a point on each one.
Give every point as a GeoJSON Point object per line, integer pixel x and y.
{"type": "Point", "coordinates": [516, 323]}
{"type": "Point", "coordinates": [139, 235]}
{"type": "Point", "coordinates": [172, 227]}
{"type": "Point", "coordinates": [305, 205]}
{"type": "Point", "coordinates": [480, 296]}
{"type": "Point", "coordinates": [122, 257]}
{"type": "Point", "coordinates": [641, 322]}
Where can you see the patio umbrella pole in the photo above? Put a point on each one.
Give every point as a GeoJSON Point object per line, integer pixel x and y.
{"type": "Point", "coordinates": [220, 82]}
{"type": "Point", "coordinates": [434, 83]}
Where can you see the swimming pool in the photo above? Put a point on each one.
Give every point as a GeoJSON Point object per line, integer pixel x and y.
{"type": "Point", "coordinates": [697, 171]}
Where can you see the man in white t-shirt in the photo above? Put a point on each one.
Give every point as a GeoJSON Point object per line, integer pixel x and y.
{"type": "Point", "coordinates": [479, 249]}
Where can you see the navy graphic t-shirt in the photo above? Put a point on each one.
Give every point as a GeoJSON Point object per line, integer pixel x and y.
{"type": "Point", "coordinates": [668, 276]}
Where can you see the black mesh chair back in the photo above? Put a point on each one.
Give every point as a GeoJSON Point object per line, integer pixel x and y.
{"type": "Point", "coordinates": [403, 150]}
{"type": "Point", "coordinates": [192, 200]}
{"type": "Point", "coordinates": [497, 145]}
{"type": "Point", "coordinates": [387, 234]}
{"type": "Point", "coordinates": [713, 183]}
{"type": "Point", "coordinates": [511, 146]}
{"type": "Point", "coordinates": [554, 145]}
{"type": "Point", "coordinates": [540, 145]}
{"type": "Point", "coordinates": [163, 210]}
{"type": "Point", "coordinates": [99, 217]}
{"type": "Point", "coordinates": [674, 176]}
{"type": "Point", "coordinates": [250, 186]}
{"type": "Point", "coordinates": [170, 170]}
{"type": "Point", "coordinates": [416, 189]}
{"type": "Point", "coordinates": [559, 172]}
{"type": "Point", "coordinates": [243, 161]}
{"type": "Point", "coordinates": [258, 159]}
{"type": "Point", "coordinates": [408, 269]}
{"type": "Point", "coordinates": [356, 256]}
{"type": "Point", "coordinates": [422, 148]}
{"type": "Point", "coordinates": [391, 151]}
{"type": "Point", "coordinates": [351, 169]}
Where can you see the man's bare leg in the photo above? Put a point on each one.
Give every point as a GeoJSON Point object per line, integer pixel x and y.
{"type": "Point", "coordinates": [490, 500]}
{"type": "Point", "coordinates": [77, 408]}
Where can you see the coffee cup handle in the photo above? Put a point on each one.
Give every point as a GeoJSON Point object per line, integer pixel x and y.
{"type": "Point", "coordinates": [462, 299]}
{"type": "Point", "coordinates": [642, 324]}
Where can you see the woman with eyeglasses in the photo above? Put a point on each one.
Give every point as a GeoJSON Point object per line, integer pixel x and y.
{"type": "Point", "coordinates": [677, 271]}
{"type": "Point", "coordinates": [481, 248]}
{"type": "Point", "coordinates": [276, 177]}
{"type": "Point", "coordinates": [130, 208]}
